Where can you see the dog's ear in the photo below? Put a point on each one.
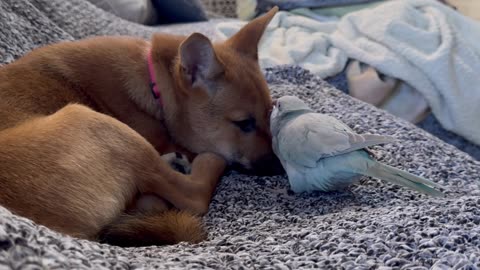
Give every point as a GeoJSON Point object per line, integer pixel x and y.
{"type": "Point", "coordinates": [246, 39]}
{"type": "Point", "coordinates": [198, 61]}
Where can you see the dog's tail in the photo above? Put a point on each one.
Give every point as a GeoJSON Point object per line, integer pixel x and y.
{"type": "Point", "coordinates": [147, 229]}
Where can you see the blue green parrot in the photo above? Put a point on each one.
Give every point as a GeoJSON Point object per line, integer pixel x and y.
{"type": "Point", "coordinates": [319, 152]}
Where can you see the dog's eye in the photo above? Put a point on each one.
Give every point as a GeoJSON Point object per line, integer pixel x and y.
{"type": "Point", "coordinates": [247, 125]}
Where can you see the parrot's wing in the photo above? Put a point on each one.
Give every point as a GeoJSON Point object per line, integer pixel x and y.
{"type": "Point", "coordinates": [313, 136]}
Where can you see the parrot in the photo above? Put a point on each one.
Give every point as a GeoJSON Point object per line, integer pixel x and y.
{"type": "Point", "coordinates": [319, 152]}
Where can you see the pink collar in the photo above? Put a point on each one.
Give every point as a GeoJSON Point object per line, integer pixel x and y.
{"type": "Point", "coordinates": [153, 81]}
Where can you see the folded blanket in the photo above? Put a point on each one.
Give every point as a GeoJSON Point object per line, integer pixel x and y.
{"type": "Point", "coordinates": [429, 46]}
{"type": "Point", "coordinates": [292, 39]}
{"type": "Point", "coordinates": [254, 222]}
{"type": "Point", "coordinates": [247, 9]}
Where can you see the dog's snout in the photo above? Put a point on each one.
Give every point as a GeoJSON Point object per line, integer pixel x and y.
{"type": "Point", "coordinates": [267, 166]}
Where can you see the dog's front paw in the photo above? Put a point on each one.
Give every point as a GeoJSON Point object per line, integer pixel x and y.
{"type": "Point", "coordinates": [178, 161]}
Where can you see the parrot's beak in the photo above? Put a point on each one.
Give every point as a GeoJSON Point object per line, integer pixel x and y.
{"type": "Point", "coordinates": [274, 102]}
{"type": "Point", "coordinates": [273, 112]}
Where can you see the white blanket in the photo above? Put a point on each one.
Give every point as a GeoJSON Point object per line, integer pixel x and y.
{"type": "Point", "coordinates": [293, 39]}
{"type": "Point", "coordinates": [428, 45]}
{"type": "Point", "coordinates": [422, 42]}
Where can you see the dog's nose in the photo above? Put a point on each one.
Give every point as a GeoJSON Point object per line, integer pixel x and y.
{"type": "Point", "coordinates": [267, 166]}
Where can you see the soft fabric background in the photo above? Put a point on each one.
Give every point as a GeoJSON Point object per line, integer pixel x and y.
{"type": "Point", "coordinates": [139, 11]}
{"type": "Point", "coordinates": [246, 9]}
{"type": "Point", "coordinates": [254, 222]}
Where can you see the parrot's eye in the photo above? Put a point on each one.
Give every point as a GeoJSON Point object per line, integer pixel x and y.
{"type": "Point", "coordinates": [247, 125]}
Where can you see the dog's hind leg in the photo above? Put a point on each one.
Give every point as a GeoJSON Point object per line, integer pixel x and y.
{"type": "Point", "coordinates": [76, 171]}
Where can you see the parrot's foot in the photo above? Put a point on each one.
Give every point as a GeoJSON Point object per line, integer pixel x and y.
{"type": "Point", "coordinates": [178, 162]}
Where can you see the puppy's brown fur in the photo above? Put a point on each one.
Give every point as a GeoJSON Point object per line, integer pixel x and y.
{"type": "Point", "coordinates": [81, 135]}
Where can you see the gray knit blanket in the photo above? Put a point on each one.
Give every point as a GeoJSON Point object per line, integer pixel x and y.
{"type": "Point", "coordinates": [255, 222]}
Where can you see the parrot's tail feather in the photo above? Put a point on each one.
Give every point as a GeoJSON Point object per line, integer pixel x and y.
{"type": "Point", "coordinates": [400, 177]}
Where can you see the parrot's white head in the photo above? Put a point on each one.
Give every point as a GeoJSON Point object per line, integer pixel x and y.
{"type": "Point", "coordinates": [286, 106]}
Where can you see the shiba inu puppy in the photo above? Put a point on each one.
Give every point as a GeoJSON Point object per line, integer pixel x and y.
{"type": "Point", "coordinates": [84, 125]}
